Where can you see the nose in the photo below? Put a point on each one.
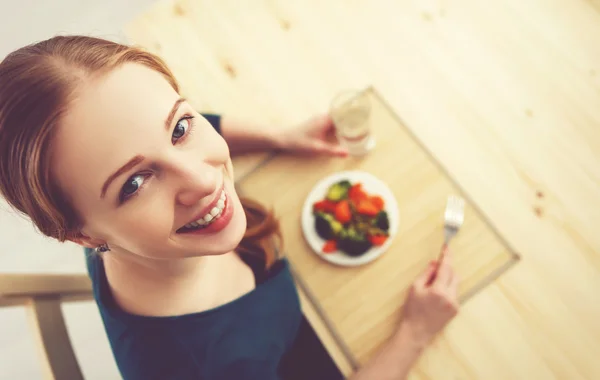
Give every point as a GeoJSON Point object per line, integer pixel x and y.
{"type": "Point", "coordinates": [195, 182]}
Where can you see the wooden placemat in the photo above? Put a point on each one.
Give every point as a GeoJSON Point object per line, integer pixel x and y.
{"type": "Point", "coordinates": [363, 304]}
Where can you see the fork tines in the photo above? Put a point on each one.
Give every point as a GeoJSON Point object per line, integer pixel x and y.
{"type": "Point", "coordinates": [454, 214]}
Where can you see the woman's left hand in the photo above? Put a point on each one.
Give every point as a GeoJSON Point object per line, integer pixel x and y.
{"type": "Point", "coordinates": [311, 137]}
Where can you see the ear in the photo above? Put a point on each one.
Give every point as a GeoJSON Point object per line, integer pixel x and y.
{"type": "Point", "coordinates": [86, 241]}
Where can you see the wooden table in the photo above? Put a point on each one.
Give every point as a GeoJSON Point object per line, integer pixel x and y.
{"type": "Point", "coordinates": [505, 95]}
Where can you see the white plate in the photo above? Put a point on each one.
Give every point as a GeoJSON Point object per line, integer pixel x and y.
{"type": "Point", "coordinates": [371, 185]}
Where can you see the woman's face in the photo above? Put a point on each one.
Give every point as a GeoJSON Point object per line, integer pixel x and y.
{"type": "Point", "coordinates": [144, 170]}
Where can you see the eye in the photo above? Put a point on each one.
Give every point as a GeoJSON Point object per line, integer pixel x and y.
{"type": "Point", "coordinates": [181, 128]}
{"type": "Point", "coordinates": [131, 186]}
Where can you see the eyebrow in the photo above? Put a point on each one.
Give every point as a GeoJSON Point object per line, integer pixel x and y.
{"type": "Point", "coordinates": [122, 170]}
{"type": "Point", "coordinates": [169, 119]}
{"type": "Point", "coordinates": [139, 158]}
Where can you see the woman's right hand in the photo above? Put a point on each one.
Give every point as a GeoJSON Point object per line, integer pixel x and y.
{"type": "Point", "coordinates": [431, 303]}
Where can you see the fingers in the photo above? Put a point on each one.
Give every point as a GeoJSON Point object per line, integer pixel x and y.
{"type": "Point", "coordinates": [323, 147]}
{"type": "Point", "coordinates": [444, 275]}
{"type": "Point", "coordinates": [445, 271]}
{"type": "Point", "coordinates": [323, 123]}
{"type": "Point", "coordinates": [425, 277]}
{"type": "Point", "coordinates": [445, 252]}
{"type": "Point", "coordinates": [447, 281]}
{"type": "Point", "coordinates": [338, 151]}
{"type": "Point", "coordinates": [327, 121]}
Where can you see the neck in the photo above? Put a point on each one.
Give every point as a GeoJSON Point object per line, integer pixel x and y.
{"type": "Point", "coordinates": [165, 268]}
{"type": "Point", "coordinates": [163, 272]}
{"type": "Point", "coordinates": [165, 287]}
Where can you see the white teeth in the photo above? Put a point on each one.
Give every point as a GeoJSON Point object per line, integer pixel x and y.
{"type": "Point", "coordinates": [213, 214]}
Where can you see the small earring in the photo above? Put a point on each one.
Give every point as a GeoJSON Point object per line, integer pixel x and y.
{"type": "Point", "coordinates": [102, 248]}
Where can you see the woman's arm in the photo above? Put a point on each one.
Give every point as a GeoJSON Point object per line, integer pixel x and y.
{"type": "Point", "coordinates": [394, 361]}
{"type": "Point", "coordinates": [428, 308]}
{"type": "Point", "coordinates": [310, 137]}
{"type": "Point", "coordinates": [245, 137]}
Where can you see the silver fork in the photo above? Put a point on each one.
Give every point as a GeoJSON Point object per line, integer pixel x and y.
{"type": "Point", "coordinates": [454, 216]}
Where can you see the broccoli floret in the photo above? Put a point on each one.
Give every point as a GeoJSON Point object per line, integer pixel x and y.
{"type": "Point", "coordinates": [338, 191]}
{"type": "Point", "coordinates": [382, 221]}
{"type": "Point", "coordinates": [353, 243]}
{"type": "Point", "coordinates": [327, 227]}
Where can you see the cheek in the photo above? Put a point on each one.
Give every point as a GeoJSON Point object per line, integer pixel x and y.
{"type": "Point", "coordinates": [229, 169]}
{"type": "Point", "coordinates": [144, 225]}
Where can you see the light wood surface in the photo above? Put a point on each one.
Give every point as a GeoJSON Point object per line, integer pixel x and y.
{"type": "Point", "coordinates": [505, 94]}
{"type": "Point", "coordinates": [364, 303]}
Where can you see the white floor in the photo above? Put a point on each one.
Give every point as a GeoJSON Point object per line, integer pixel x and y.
{"type": "Point", "coordinates": [22, 249]}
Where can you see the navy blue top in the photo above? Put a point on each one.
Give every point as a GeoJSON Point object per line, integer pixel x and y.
{"type": "Point", "coordinates": [243, 339]}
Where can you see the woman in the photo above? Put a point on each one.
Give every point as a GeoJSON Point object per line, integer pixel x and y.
{"type": "Point", "coordinates": [97, 147]}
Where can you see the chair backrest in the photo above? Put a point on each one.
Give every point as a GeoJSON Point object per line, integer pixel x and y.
{"type": "Point", "coordinates": [42, 295]}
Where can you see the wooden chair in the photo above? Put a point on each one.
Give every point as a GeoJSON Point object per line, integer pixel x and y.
{"type": "Point", "coordinates": [42, 295]}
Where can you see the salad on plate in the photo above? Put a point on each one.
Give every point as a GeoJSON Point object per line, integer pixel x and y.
{"type": "Point", "coordinates": [350, 220]}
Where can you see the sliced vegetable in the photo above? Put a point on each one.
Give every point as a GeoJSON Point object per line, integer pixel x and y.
{"type": "Point", "coordinates": [365, 207]}
{"type": "Point", "coordinates": [325, 206]}
{"type": "Point", "coordinates": [342, 212]}
{"type": "Point", "coordinates": [382, 221]}
{"type": "Point", "coordinates": [327, 227]}
{"type": "Point", "coordinates": [356, 193]}
{"type": "Point", "coordinates": [378, 202]}
{"type": "Point", "coordinates": [338, 191]}
{"type": "Point", "coordinates": [330, 246]}
{"type": "Point", "coordinates": [378, 240]}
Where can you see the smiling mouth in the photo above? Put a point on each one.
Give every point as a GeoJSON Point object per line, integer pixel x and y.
{"type": "Point", "coordinates": [209, 218]}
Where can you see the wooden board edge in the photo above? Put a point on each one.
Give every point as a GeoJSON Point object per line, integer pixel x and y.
{"type": "Point", "coordinates": [515, 256]}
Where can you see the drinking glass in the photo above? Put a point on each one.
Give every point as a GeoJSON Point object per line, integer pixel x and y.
{"type": "Point", "coordinates": [350, 112]}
